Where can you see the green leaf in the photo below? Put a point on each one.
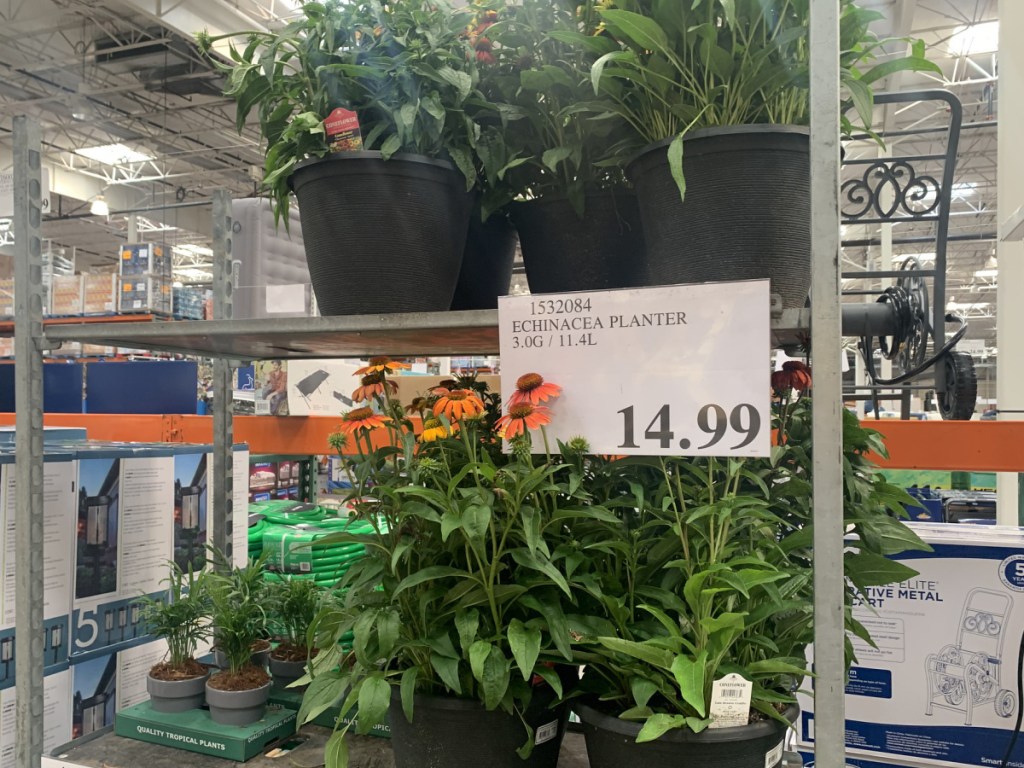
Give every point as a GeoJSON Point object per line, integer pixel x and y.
{"type": "Point", "coordinates": [656, 657]}
{"type": "Point", "coordinates": [448, 670]}
{"type": "Point", "coordinates": [467, 624]}
{"type": "Point", "coordinates": [863, 99]}
{"type": "Point", "coordinates": [476, 521]}
{"type": "Point", "coordinates": [451, 521]}
{"type": "Point", "coordinates": [658, 725]}
{"type": "Point", "coordinates": [389, 624]}
{"type": "Point", "coordinates": [323, 692]}
{"type": "Point", "coordinates": [642, 690]}
{"type": "Point", "coordinates": [528, 559]}
{"type": "Point", "coordinates": [478, 653]}
{"type": "Point", "coordinates": [551, 678]}
{"type": "Point", "coordinates": [774, 667]}
{"type": "Point", "coordinates": [390, 146]}
{"type": "Point", "coordinates": [906, 64]}
{"type": "Point", "coordinates": [374, 700]}
{"type": "Point", "coordinates": [462, 82]}
{"type": "Point", "coordinates": [535, 80]}
{"type": "Point", "coordinates": [675, 164]}
{"type": "Point", "coordinates": [640, 31]}
{"type": "Point", "coordinates": [598, 45]}
{"type": "Point", "coordinates": [427, 574]}
{"type": "Point", "coordinates": [866, 569]}
{"type": "Point", "coordinates": [497, 673]}
{"type": "Point", "coordinates": [552, 157]}
{"type": "Point", "coordinates": [689, 674]}
{"type": "Point", "coordinates": [336, 751]}
{"type": "Point", "coordinates": [525, 644]}
{"type": "Point", "coordinates": [408, 689]}
{"type": "Point", "coordinates": [598, 67]}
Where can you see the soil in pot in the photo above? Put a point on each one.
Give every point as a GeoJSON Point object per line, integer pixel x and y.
{"type": "Point", "coordinates": [486, 264]}
{"type": "Point", "coordinates": [747, 210]}
{"type": "Point", "coordinates": [238, 698]}
{"type": "Point", "coordinates": [448, 732]}
{"type": "Point", "coordinates": [288, 664]}
{"type": "Point", "coordinates": [611, 743]}
{"type": "Point", "coordinates": [177, 688]}
{"type": "Point", "coordinates": [381, 235]}
{"type": "Point", "coordinates": [562, 252]}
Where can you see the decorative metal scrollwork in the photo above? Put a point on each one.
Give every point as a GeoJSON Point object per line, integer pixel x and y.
{"type": "Point", "coordinates": [911, 195]}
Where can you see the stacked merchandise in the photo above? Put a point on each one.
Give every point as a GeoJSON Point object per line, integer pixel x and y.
{"type": "Point", "coordinates": [145, 279]}
{"type": "Point", "coordinates": [56, 265]}
{"type": "Point", "coordinates": [6, 297]}
{"type": "Point", "coordinates": [66, 295]}
{"type": "Point", "coordinates": [189, 303]}
{"type": "Point", "coordinates": [99, 294]}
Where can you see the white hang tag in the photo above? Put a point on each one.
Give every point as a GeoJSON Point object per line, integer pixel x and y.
{"type": "Point", "coordinates": [730, 702]}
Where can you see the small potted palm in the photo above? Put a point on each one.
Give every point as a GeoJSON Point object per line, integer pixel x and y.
{"type": "Point", "coordinates": [716, 94]}
{"type": "Point", "coordinates": [294, 605]}
{"type": "Point", "coordinates": [237, 695]}
{"type": "Point", "coordinates": [363, 104]}
{"type": "Point", "coordinates": [178, 683]}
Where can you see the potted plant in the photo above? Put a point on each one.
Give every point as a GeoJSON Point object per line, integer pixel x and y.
{"type": "Point", "coordinates": [177, 684]}
{"type": "Point", "coordinates": [382, 183]}
{"type": "Point", "coordinates": [237, 695]}
{"type": "Point", "coordinates": [546, 161]}
{"type": "Point", "coordinates": [702, 583]}
{"type": "Point", "coordinates": [457, 607]}
{"type": "Point", "coordinates": [294, 605]}
{"type": "Point", "coordinates": [716, 93]}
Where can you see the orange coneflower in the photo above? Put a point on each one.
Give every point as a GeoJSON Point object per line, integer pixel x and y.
{"type": "Point", "coordinates": [385, 364]}
{"type": "Point", "coordinates": [373, 384]}
{"type": "Point", "coordinates": [361, 418]}
{"type": "Point", "coordinates": [794, 375]}
{"type": "Point", "coordinates": [521, 417]}
{"type": "Point", "coordinates": [434, 429]}
{"type": "Point", "coordinates": [458, 403]}
{"type": "Point", "coordinates": [531, 388]}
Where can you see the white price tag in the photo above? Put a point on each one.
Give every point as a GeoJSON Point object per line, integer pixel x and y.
{"type": "Point", "coordinates": [545, 733]}
{"type": "Point", "coordinates": [730, 702]}
{"type": "Point", "coordinates": [670, 370]}
{"type": "Point", "coordinates": [774, 757]}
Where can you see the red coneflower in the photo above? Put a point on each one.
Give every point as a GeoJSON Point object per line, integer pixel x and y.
{"type": "Point", "coordinates": [484, 57]}
{"type": "Point", "coordinates": [361, 418]}
{"type": "Point", "coordinates": [794, 375]}
{"type": "Point", "coordinates": [458, 403]}
{"type": "Point", "coordinates": [371, 385]}
{"type": "Point", "coordinates": [531, 388]}
{"type": "Point", "coordinates": [377, 364]}
{"type": "Point", "coordinates": [521, 417]}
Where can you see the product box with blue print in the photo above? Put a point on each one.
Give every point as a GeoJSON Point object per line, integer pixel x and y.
{"type": "Point", "coordinates": [58, 547]}
{"type": "Point", "coordinates": [941, 686]}
{"type": "Point", "coordinates": [125, 501]}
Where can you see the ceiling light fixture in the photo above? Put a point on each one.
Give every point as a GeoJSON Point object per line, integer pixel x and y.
{"type": "Point", "coordinates": [987, 273]}
{"type": "Point", "coordinates": [924, 258]}
{"type": "Point", "coordinates": [99, 207]}
{"type": "Point", "coordinates": [113, 154]}
{"type": "Point", "coordinates": [972, 39]}
{"type": "Point", "coordinates": [954, 306]}
{"type": "Point", "coordinates": [193, 250]}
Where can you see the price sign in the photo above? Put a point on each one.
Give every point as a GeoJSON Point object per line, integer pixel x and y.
{"type": "Point", "coordinates": [671, 370]}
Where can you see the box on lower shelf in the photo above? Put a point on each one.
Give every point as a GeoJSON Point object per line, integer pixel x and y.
{"type": "Point", "coordinates": [195, 731]}
{"type": "Point", "coordinates": [292, 699]}
{"type": "Point", "coordinates": [144, 294]}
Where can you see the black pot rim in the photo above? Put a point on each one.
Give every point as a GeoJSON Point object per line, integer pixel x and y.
{"type": "Point", "coordinates": [372, 154]}
{"type": "Point", "coordinates": [606, 722]}
{"type": "Point", "coordinates": [597, 194]}
{"type": "Point", "coordinates": [766, 129]}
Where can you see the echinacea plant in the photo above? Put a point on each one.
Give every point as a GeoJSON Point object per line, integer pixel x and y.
{"type": "Point", "coordinates": [463, 588]}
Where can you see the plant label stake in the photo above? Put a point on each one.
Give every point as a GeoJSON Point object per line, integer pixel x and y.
{"type": "Point", "coordinates": [730, 702]}
{"type": "Point", "coordinates": [677, 370]}
{"type": "Point", "coordinates": [343, 134]}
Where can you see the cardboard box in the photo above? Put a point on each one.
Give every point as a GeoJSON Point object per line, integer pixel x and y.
{"type": "Point", "coordinates": [144, 259]}
{"type": "Point", "coordinates": [292, 699]}
{"type": "Point", "coordinates": [263, 476]}
{"type": "Point", "coordinates": [7, 297]}
{"type": "Point", "coordinates": [57, 705]}
{"type": "Point", "coordinates": [99, 294]}
{"type": "Point", "coordinates": [66, 295]}
{"type": "Point", "coordinates": [125, 535]}
{"type": "Point", "coordinates": [58, 545]}
{"type": "Point", "coordinates": [321, 387]}
{"type": "Point", "coordinates": [144, 294]}
{"type": "Point", "coordinates": [941, 687]}
{"type": "Point", "coordinates": [196, 732]}
{"type": "Point", "coordinates": [270, 385]}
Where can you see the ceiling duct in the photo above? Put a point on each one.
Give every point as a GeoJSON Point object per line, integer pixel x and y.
{"type": "Point", "coordinates": [163, 62]}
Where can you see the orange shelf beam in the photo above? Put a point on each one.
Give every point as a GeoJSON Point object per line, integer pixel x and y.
{"type": "Point", "coordinates": [979, 446]}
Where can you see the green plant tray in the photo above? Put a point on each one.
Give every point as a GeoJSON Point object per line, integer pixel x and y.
{"type": "Point", "coordinates": [293, 700]}
{"type": "Point", "coordinates": [196, 732]}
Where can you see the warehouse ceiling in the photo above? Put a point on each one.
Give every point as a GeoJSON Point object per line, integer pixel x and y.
{"type": "Point", "coordinates": [124, 75]}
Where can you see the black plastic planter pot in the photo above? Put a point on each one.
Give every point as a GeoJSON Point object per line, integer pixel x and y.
{"type": "Point", "coordinates": [611, 743]}
{"type": "Point", "coordinates": [747, 210]}
{"type": "Point", "coordinates": [487, 264]}
{"type": "Point", "coordinates": [381, 235]}
{"type": "Point", "coordinates": [561, 252]}
{"type": "Point", "coordinates": [448, 732]}
{"type": "Point", "coordinates": [176, 695]}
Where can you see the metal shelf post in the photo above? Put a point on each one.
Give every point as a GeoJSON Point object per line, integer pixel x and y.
{"type": "Point", "coordinates": [28, 356]}
{"type": "Point", "coordinates": [827, 429]}
{"type": "Point", "coordinates": [223, 439]}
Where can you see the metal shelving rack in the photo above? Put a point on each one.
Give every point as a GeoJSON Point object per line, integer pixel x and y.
{"type": "Point", "coordinates": [415, 334]}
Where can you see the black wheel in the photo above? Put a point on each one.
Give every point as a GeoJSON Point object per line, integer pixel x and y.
{"type": "Point", "coordinates": [958, 401]}
{"type": "Point", "coordinates": [1005, 703]}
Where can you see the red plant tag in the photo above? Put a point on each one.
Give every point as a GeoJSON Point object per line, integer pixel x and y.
{"type": "Point", "coordinates": [342, 128]}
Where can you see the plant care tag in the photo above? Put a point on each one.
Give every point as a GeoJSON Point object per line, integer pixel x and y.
{"type": "Point", "coordinates": [342, 129]}
{"type": "Point", "coordinates": [774, 756]}
{"type": "Point", "coordinates": [730, 702]}
{"type": "Point", "coordinates": [546, 733]}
